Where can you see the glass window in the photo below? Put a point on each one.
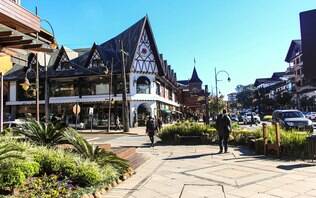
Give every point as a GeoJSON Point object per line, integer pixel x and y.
{"type": "Point", "coordinates": [158, 89]}
{"type": "Point", "coordinates": [143, 85]}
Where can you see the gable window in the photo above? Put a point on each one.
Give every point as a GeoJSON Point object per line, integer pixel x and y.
{"type": "Point", "coordinates": [64, 64]}
{"type": "Point", "coordinates": [143, 85]}
{"type": "Point", "coordinates": [95, 60]}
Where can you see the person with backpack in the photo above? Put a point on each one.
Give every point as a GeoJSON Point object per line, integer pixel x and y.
{"type": "Point", "coordinates": [223, 127]}
{"type": "Point", "coordinates": [150, 129]}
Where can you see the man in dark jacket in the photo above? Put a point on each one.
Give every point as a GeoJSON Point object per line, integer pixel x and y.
{"type": "Point", "coordinates": [223, 127]}
{"type": "Point", "coordinates": [150, 129]}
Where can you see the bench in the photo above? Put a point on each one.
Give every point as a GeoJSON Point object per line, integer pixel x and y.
{"type": "Point", "coordinates": [196, 139]}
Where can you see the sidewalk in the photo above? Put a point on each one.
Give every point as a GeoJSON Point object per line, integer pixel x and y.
{"type": "Point", "coordinates": [197, 171]}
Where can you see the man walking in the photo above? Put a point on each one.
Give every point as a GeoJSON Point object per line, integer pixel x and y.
{"type": "Point", "coordinates": [150, 129]}
{"type": "Point", "coordinates": [223, 126]}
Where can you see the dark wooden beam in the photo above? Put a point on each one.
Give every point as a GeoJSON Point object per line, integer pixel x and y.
{"type": "Point", "coordinates": [6, 33]}
{"type": "Point", "coordinates": [15, 43]}
{"type": "Point", "coordinates": [11, 38]}
{"type": "Point", "coordinates": [31, 46]}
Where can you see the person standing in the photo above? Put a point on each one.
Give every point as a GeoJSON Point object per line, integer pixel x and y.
{"type": "Point", "coordinates": [150, 129]}
{"type": "Point", "coordinates": [159, 123]}
{"type": "Point", "coordinates": [223, 127]}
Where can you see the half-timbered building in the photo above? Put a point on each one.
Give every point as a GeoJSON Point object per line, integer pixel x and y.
{"type": "Point", "coordinates": [92, 78]}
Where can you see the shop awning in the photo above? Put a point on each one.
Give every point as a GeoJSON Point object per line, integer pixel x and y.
{"type": "Point", "coordinates": [166, 111]}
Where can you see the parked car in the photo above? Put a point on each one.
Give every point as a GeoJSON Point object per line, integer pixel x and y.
{"type": "Point", "coordinates": [12, 124]}
{"type": "Point", "coordinates": [234, 117]}
{"type": "Point", "coordinates": [290, 119]}
{"type": "Point", "coordinates": [311, 115]}
{"type": "Point", "coordinates": [247, 118]}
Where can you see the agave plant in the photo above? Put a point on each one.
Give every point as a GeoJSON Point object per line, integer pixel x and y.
{"type": "Point", "coordinates": [41, 133]}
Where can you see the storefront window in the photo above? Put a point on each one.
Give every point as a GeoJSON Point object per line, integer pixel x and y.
{"type": "Point", "coordinates": [63, 88]}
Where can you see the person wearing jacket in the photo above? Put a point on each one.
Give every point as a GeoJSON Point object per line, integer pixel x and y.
{"type": "Point", "coordinates": [223, 127]}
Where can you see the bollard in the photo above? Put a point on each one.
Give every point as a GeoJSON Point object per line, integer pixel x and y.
{"type": "Point", "coordinates": [277, 138]}
{"type": "Point", "coordinates": [265, 138]}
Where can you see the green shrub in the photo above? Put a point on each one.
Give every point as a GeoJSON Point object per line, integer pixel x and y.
{"type": "Point", "coordinates": [11, 177]}
{"type": "Point", "coordinates": [185, 129]}
{"type": "Point", "coordinates": [106, 159]}
{"type": "Point", "coordinates": [88, 174]}
{"type": "Point", "coordinates": [14, 172]}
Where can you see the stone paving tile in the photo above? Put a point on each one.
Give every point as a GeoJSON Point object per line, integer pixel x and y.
{"type": "Point", "coordinates": [170, 167]}
{"type": "Point", "coordinates": [200, 191]}
{"type": "Point", "coordinates": [282, 193]}
{"type": "Point", "coordinates": [311, 192]}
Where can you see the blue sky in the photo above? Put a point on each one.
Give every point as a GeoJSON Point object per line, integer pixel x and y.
{"type": "Point", "coordinates": [247, 38]}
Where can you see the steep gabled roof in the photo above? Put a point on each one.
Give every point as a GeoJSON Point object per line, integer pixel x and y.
{"type": "Point", "coordinates": [278, 75]}
{"type": "Point", "coordinates": [195, 78]}
{"type": "Point", "coordinates": [111, 49]}
{"type": "Point", "coordinates": [295, 47]}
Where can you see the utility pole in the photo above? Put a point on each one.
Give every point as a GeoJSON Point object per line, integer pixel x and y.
{"type": "Point", "coordinates": [46, 92]}
{"type": "Point", "coordinates": [216, 90]}
{"type": "Point", "coordinates": [110, 97]}
{"type": "Point", "coordinates": [37, 81]}
{"type": "Point", "coordinates": [1, 103]}
{"type": "Point", "coordinates": [207, 114]}
{"type": "Point", "coordinates": [124, 106]}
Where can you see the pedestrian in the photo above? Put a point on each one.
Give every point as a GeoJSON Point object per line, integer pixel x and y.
{"type": "Point", "coordinates": [252, 119]}
{"type": "Point", "coordinates": [159, 123]}
{"type": "Point", "coordinates": [150, 129]}
{"type": "Point", "coordinates": [223, 127]}
{"type": "Point", "coordinates": [117, 123]}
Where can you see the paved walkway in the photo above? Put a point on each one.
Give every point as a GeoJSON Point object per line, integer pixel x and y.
{"type": "Point", "coordinates": [197, 171]}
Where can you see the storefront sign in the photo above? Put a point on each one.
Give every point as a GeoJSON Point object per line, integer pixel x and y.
{"type": "Point", "coordinates": [91, 111]}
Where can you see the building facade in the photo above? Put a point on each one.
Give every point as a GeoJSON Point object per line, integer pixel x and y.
{"type": "Point", "coordinates": [192, 96]}
{"type": "Point", "coordinates": [92, 79]}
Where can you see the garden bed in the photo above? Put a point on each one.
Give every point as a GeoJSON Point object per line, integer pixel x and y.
{"type": "Point", "coordinates": [293, 143]}
{"type": "Point", "coordinates": [38, 168]}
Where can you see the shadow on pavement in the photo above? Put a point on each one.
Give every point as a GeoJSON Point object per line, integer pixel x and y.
{"type": "Point", "coordinates": [191, 156]}
{"type": "Point", "coordinates": [294, 166]}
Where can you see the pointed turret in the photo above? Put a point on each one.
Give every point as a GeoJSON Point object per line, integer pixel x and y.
{"type": "Point", "coordinates": [195, 78]}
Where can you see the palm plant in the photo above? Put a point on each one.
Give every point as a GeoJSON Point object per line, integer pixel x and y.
{"type": "Point", "coordinates": [41, 133]}
{"type": "Point", "coordinates": [10, 151]}
{"type": "Point", "coordinates": [94, 153]}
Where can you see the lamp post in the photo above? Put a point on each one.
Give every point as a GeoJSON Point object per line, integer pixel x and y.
{"type": "Point", "coordinates": [53, 45]}
{"type": "Point", "coordinates": [216, 88]}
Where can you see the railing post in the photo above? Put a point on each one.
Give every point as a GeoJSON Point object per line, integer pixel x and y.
{"type": "Point", "coordinates": [277, 138]}
{"type": "Point", "coordinates": [265, 138]}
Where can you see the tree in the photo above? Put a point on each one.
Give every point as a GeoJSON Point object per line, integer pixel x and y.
{"type": "Point", "coordinates": [245, 95]}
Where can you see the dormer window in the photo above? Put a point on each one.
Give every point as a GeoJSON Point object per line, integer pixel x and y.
{"type": "Point", "coordinates": [64, 64]}
{"type": "Point", "coordinates": [96, 60]}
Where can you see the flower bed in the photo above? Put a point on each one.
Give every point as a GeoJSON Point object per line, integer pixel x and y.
{"type": "Point", "coordinates": [37, 169]}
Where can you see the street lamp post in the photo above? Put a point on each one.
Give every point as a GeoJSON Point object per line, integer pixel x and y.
{"type": "Point", "coordinates": [216, 88]}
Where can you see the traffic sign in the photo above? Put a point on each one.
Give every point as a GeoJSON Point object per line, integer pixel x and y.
{"type": "Point", "coordinates": [76, 109]}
